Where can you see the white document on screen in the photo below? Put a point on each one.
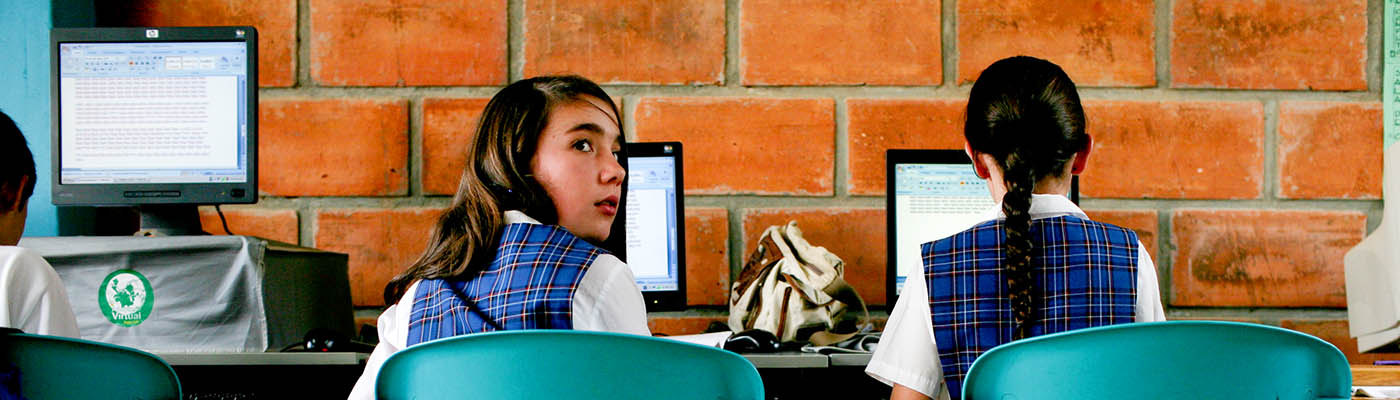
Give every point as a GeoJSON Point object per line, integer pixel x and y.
{"type": "Point", "coordinates": [647, 239]}
{"type": "Point", "coordinates": [150, 122]}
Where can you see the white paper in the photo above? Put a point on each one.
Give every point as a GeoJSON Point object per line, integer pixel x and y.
{"type": "Point", "coordinates": [712, 339]}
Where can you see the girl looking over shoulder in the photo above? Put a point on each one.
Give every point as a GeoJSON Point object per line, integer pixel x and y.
{"type": "Point", "coordinates": [1037, 265]}
{"type": "Point", "coordinates": [517, 249]}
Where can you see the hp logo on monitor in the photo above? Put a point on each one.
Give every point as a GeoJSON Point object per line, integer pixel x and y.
{"type": "Point", "coordinates": [152, 33]}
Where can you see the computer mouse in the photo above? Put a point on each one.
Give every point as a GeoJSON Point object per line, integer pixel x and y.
{"type": "Point", "coordinates": [326, 340]}
{"type": "Point", "coordinates": [321, 340]}
{"type": "Point", "coordinates": [752, 341]}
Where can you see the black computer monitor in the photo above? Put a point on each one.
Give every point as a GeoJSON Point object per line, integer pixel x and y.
{"type": "Point", "coordinates": [163, 119]}
{"type": "Point", "coordinates": [930, 195]}
{"type": "Point", "coordinates": [654, 223]}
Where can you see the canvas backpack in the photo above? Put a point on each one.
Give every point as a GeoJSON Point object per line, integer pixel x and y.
{"type": "Point", "coordinates": [794, 290]}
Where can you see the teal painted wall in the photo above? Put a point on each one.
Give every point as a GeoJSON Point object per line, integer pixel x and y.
{"type": "Point", "coordinates": [24, 87]}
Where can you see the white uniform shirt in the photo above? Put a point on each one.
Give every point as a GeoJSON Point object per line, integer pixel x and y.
{"type": "Point", "coordinates": [607, 299]}
{"type": "Point", "coordinates": [907, 354]}
{"type": "Point", "coordinates": [35, 300]}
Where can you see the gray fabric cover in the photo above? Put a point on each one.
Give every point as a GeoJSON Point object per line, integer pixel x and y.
{"type": "Point", "coordinates": [212, 293]}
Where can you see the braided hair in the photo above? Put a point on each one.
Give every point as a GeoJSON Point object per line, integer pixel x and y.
{"type": "Point", "coordinates": [1025, 113]}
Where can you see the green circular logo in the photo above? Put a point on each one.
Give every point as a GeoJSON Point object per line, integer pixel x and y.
{"type": "Point", "coordinates": [125, 297]}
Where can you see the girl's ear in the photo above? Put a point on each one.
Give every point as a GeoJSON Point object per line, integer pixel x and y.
{"type": "Point", "coordinates": [1081, 158]}
{"type": "Point", "coordinates": [977, 163]}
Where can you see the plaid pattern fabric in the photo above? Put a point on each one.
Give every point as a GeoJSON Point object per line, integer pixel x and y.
{"type": "Point", "coordinates": [529, 285]}
{"type": "Point", "coordinates": [1086, 276]}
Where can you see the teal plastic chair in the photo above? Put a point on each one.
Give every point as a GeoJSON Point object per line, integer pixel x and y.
{"type": "Point", "coordinates": [1163, 360]}
{"type": "Point", "coordinates": [564, 364]}
{"type": "Point", "coordinates": [53, 367]}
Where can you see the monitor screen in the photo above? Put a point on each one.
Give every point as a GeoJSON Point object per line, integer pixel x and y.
{"type": "Point", "coordinates": [931, 202]}
{"type": "Point", "coordinates": [154, 116]}
{"type": "Point", "coordinates": [653, 245]}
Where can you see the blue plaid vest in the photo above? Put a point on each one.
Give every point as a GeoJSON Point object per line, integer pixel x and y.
{"type": "Point", "coordinates": [1086, 276]}
{"type": "Point", "coordinates": [529, 285]}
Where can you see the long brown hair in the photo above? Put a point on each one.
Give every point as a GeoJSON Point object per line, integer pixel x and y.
{"type": "Point", "coordinates": [1025, 112]}
{"type": "Point", "coordinates": [497, 178]}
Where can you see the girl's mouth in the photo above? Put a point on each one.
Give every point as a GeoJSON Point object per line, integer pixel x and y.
{"type": "Point", "coordinates": [608, 206]}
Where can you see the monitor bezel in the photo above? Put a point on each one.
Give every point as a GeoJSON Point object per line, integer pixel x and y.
{"type": "Point", "coordinates": [138, 194]}
{"type": "Point", "coordinates": [895, 157]}
{"type": "Point", "coordinates": [667, 300]}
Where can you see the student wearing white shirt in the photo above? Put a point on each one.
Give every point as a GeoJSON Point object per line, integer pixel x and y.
{"type": "Point", "coordinates": [1037, 265]}
{"type": "Point", "coordinates": [518, 247]}
{"type": "Point", "coordinates": [33, 296]}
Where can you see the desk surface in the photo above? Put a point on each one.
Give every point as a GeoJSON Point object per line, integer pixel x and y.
{"type": "Point", "coordinates": [1375, 375]}
{"type": "Point", "coordinates": [788, 359]}
{"type": "Point", "coordinates": [791, 359]}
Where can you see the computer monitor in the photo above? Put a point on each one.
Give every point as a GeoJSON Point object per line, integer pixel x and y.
{"type": "Point", "coordinates": [930, 195]}
{"type": "Point", "coordinates": [655, 223]}
{"type": "Point", "coordinates": [164, 119]}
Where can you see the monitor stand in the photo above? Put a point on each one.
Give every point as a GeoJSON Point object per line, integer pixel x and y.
{"type": "Point", "coordinates": [170, 220]}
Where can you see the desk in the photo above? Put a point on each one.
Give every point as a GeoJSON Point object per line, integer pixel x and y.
{"type": "Point", "coordinates": [788, 360]}
{"type": "Point", "coordinates": [333, 374]}
{"type": "Point", "coordinates": [264, 359]}
{"type": "Point", "coordinates": [796, 374]}
{"type": "Point", "coordinates": [266, 375]}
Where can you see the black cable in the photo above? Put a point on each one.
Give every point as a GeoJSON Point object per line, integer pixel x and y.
{"type": "Point", "coordinates": [222, 219]}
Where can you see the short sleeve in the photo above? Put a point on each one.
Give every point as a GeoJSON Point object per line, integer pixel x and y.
{"type": "Point", "coordinates": [393, 335]}
{"type": "Point", "coordinates": [907, 354]}
{"type": "Point", "coordinates": [1149, 297]}
{"type": "Point", "coordinates": [34, 296]}
{"type": "Point", "coordinates": [607, 299]}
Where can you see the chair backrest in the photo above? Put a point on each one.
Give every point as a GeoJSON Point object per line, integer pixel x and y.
{"type": "Point", "coordinates": [54, 367]}
{"type": "Point", "coordinates": [1163, 360]}
{"type": "Point", "coordinates": [555, 364]}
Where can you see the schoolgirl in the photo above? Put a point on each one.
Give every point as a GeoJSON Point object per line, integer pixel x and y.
{"type": "Point", "coordinates": [518, 247]}
{"type": "Point", "coordinates": [1037, 265]}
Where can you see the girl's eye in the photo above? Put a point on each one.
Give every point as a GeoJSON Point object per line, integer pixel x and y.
{"type": "Point", "coordinates": [583, 146]}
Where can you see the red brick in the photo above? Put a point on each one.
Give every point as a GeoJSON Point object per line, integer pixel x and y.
{"type": "Point", "coordinates": [1252, 44]}
{"type": "Point", "coordinates": [381, 244]}
{"type": "Point", "coordinates": [683, 325]}
{"type": "Point", "coordinates": [1338, 333]}
{"type": "Point", "coordinates": [408, 42]}
{"type": "Point", "coordinates": [1098, 43]}
{"type": "Point", "coordinates": [1231, 258]}
{"type": "Point", "coordinates": [1143, 222]}
{"type": "Point", "coordinates": [1175, 150]}
{"type": "Point", "coordinates": [838, 42]}
{"type": "Point", "coordinates": [747, 145]}
{"type": "Point", "coordinates": [857, 236]}
{"type": "Point", "coordinates": [660, 41]}
{"type": "Point", "coordinates": [879, 124]}
{"type": "Point", "coordinates": [333, 148]}
{"type": "Point", "coordinates": [707, 256]}
{"type": "Point", "coordinates": [275, 20]}
{"type": "Point", "coordinates": [448, 127]}
{"type": "Point", "coordinates": [279, 225]}
{"type": "Point", "coordinates": [1329, 150]}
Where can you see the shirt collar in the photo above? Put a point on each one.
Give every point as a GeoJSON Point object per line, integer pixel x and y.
{"type": "Point", "coordinates": [1042, 206]}
{"type": "Point", "coordinates": [519, 217]}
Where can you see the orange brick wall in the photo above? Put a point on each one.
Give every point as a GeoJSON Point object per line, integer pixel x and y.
{"type": "Point", "coordinates": [1238, 137]}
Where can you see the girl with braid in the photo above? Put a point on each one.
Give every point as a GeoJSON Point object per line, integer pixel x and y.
{"type": "Point", "coordinates": [518, 247]}
{"type": "Point", "coordinates": [1037, 265]}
